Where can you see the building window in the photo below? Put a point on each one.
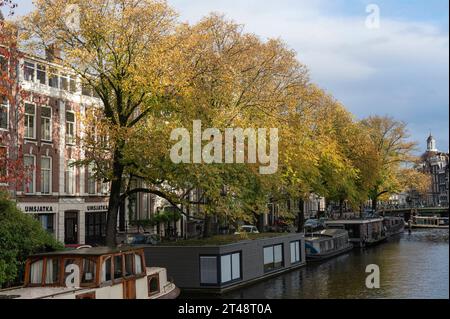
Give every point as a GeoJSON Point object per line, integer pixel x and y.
{"type": "Point", "coordinates": [105, 188]}
{"type": "Point", "coordinates": [92, 183]}
{"type": "Point", "coordinates": [29, 71]}
{"type": "Point", "coordinates": [30, 121]}
{"type": "Point", "coordinates": [30, 173]}
{"type": "Point", "coordinates": [46, 175]}
{"type": "Point", "coordinates": [46, 221]}
{"type": "Point", "coordinates": [70, 178]}
{"type": "Point", "coordinates": [208, 270]}
{"type": "Point", "coordinates": [230, 267]}
{"type": "Point", "coordinates": [70, 128]}
{"type": "Point", "coordinates": [95, 228]}
{"type": "Point", "coordinates": [296, 255]}
{"type": "Point", "coordinates": [46, 124]}
{"type": "Point", "coordinates": [72, 84]}
{"type": "Point", "coordinates": [273, 258]}
{"type": "Point", "coordinates": [53, 80]}
{"type": "Point", "coordinates": [64, 82]}
{"type": "Point", "coordinates": [3, 64]}
{"type": "Point", "coordinates": [145, 214]}
{"type": "Point", "coordinates": [3, 165]}
{"type": "Point", "coordinates": [41, 74]}
{"type": "Point", "coordinates": [4, 111]}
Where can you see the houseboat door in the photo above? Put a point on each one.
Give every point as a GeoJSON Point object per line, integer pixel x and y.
{"type": "Point", "coordinates": [71, 228]}
{"type": "Point", "coordinates": [129, 289]}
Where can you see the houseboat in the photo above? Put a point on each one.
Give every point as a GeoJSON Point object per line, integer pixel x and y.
{"type": "Point", "coordinates": [394, 226]}
{"type": "Point", "coordinates": [93, 273]}
{"type": "Point", "coordinates": [362, 232]}
{"type": "Point", "coordinates": [326, 244]}
{"type": "Point", "coordinates": [430, 222]}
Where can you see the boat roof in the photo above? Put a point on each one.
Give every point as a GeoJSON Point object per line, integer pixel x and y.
{"type": "Point", "coordinates": [326, 234]}
{"type": "Point", "coordinates": [96, 251]}
{"type": "Point", "coordinates": [354, 221]}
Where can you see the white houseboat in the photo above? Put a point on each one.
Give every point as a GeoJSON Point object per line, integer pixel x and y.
{"type": "Point", "coordinates": [430, 222]}
{"type": "Point", "coordinates": [362, 232]}
{"type": "Point", "coordinates": [326, 244]}
{"type": "Point", "coordinates": [93, 273]}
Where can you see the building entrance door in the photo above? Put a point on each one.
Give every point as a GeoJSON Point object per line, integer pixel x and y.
{"type": "Point", "coordinates": [71, 228]}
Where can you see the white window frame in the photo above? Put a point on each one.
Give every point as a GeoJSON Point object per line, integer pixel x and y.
{"type": "Point", "coordinates": [70, 140]}
{"type": "Point", "coordinates": [49, 176]}
{"type": "Point", "coordinates": [6, 107]}
{"type": "Point", "coordinates": [51, 124]}
{"type": "Point", "coordinates": [33, 80]}
{"type": "Point", "coordinates": [44, 70]}
{"type": "Point", "coordinates": [64, 76]}
{"type": "Point", "coordinates": [34, 121]}
{"type": "Point", "coordinates": [34, 176]}
{"type": "Point", "coordinates": [69, 169]}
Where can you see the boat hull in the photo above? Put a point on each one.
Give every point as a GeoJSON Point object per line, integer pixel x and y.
{"type": "Point", "coordinates": [322, 257]}
{"type": "Point", "coordinates": [429, 227]}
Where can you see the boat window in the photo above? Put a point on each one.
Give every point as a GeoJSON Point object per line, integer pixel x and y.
{"type": "Point", "coordinates": [89, 268]}
{"type": "Point", "coordinates": [153, 285]}
{"type": "Point", "coordinates": [273, 257]}
{"type": "Point", "coordinates": [106, 270]}
{"type": "Point", "coordinates": [52, 271]}
{"type": "Point", "coordinates": [208, 270]}
{"type": "Point", "coordinates": [118, 268]}
{"type": "Point", "coordinates": [295, 252]}
{"type": "Point", "coordinates": [128, 265]}
{"type": "Point", "coordinates": [137, 264]}
{"type": "Point", "coordinates": [36, 272]}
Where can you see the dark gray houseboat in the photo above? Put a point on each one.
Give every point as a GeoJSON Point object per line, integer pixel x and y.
{"type": "Point", "coordinates": [362, 232]}
{"type": "Point", "coordinates": [326, 244]}
{"type": "Point", "coordinates": [220, 268]}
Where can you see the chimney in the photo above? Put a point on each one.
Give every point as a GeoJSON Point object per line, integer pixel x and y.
{"type": "Point", "coordinates": [53, 53]}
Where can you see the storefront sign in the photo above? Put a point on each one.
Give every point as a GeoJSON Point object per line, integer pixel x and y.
{"type": "Point", "coordinates": [97, 208]}
{"type": "Point", "coordinates": [38, 209]}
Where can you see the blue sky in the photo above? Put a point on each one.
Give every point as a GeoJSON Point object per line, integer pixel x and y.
{"type": "Point", "coordinates": [400, 69]}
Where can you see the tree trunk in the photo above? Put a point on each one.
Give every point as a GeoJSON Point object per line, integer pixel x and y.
{"type": "Point", "coordinates": [114, 201]}
{"type": "Point", "coordinates": [207, 226]}
{"type": "Point", "coordinates": [301, 216]}
{"type": "Point", "coordinates": [375, 204]}
{"type": "Point", "coordinates": [341, 208]}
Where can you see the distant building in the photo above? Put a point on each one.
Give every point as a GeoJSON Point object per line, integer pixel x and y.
{"type": "Point", "coordinates": [436, 164]}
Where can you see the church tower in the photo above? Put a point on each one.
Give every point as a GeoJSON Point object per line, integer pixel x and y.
{"type": "Point", "coordinates": [431, 144]}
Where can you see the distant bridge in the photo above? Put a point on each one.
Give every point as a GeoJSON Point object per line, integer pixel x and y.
{"type": "Point", "coordinates": [408, 212]}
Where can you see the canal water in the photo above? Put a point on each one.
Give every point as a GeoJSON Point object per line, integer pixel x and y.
{"type": "Point", "coordinates": [411, 266]}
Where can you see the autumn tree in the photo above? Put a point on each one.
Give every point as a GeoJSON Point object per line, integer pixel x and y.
{"type": "Point", "coordinates": [390, 139]}
{"type": "Point", "coordinates": [109, 47]}
{"type": "Point", "coordinates": [12, 173]}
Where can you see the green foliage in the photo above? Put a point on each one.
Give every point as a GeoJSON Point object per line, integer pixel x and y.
{"type": "Point", "coordinates": [20, 236]}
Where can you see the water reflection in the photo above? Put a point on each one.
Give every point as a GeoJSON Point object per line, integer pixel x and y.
{"type": "Point", "coordinates": [412, 266]}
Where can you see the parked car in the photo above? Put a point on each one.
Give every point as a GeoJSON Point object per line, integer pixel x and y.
{"type": "Point", "coordinates": [247, 229]}
{"type": "Point", "coordinates": [312, 225]}
{"type": "Point", "coordinates": [143, 239]}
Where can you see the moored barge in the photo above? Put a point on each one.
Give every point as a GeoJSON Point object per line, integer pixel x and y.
{"type": "Point", "coordinates": [361, 232]}
{"type": "Point", "coordinates": [326, 244]}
